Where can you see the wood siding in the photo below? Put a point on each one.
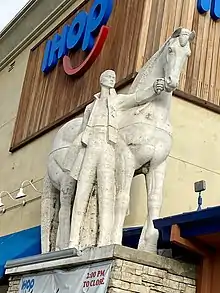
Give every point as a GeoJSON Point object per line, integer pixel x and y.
{"type": "Point", "coordinates": [138, 28]}
{"type": "Point", "coordinates": [201, 75]}
{"type": "Point", "coordinates": [48, 100]}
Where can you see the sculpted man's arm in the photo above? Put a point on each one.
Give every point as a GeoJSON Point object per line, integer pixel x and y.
{"type": "Point", "coordinates": [86, 116]}
{"type": "Point", "coordinates": [127, 101]}
{"type": "Point", "coordinates": [77, 142]}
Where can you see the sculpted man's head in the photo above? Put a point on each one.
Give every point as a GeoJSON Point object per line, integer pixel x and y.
{"type": "Point", "coordinates": [108, 79]}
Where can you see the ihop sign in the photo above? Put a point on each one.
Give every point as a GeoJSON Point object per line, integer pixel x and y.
{"type": "Point", "coordinates": [209, 5]}
{"type": "Point", "coordinates": [88, 32]}
{"type": "Point", "coordinates": [27, 285]}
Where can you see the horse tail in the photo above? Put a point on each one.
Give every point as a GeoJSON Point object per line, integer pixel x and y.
{"type": "Point", "coordinates": [49, 215]}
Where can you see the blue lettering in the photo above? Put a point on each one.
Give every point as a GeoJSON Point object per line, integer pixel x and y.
{"type": "Point", "coordinates": [204, 6]}
{"type": "Point", "coordinates": [58, 47]}
{"type": "Point", "coordinates": [32, 284]}
{"type": "Point", "coordinates": [44, 66]}
{"type": "Point", "coordinates": [27, 284]}
{"type": "Point", "coordinates": [76, 31]}
{"type": "Point", "coordinates": [81, 33]}
{"type": "Point", "coordinates": [23, 285]}
{"type": "Point", "coordinates": [215, 10]}
{"type": "Point", "coordinates": [98, 16]}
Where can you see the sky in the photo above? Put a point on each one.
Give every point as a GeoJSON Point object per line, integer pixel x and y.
{"type": "Point", "coordinates": [8, 9]}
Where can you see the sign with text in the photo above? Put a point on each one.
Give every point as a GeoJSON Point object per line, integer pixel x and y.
{"type": "Point", "coordinates": [91, 278]}
{"type": "Point", "coordinates": [212, 5]}
{"type": "Point", "coordinates": [88, 32]}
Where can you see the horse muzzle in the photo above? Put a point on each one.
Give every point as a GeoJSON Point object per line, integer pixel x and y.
{"type": "Point", "coordinates": [171, 84]}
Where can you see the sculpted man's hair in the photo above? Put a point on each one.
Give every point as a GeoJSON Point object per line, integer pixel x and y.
{"type": "Point", "coordinates": [106, 72]}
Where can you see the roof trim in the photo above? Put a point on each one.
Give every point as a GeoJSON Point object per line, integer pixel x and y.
{"type": "Point", "coordinates": [51, 18]}
{"type": "Point", "coordinates": [189, 217]}
{"type": "Point", "coordinates": [191, 224]}
{"type": "Point", "coordinates": [18, 17]}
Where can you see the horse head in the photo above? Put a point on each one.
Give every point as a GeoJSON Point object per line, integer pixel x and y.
{"type": "Point", "coordinates": [175, 54]}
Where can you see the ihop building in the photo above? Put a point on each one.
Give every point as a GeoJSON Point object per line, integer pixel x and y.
{"type": "Point", "coordinates": [39, 92]}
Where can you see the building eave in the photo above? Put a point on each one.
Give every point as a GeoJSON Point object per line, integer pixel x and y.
{"type": "Point", "coordinates": [17, 17]}
{"type": "Point", "coordinates": [11, 47]}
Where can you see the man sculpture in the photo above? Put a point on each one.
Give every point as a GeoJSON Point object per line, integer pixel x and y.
{"type": "Point", "coordinates": [119, 133]}
{"type": "Point", "coordinates": [96, 159]}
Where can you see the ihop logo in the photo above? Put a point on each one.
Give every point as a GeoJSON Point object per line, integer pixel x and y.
{"type": "Point", "coordinates": [27, 285]}
{"type": "Point", "coordinates": [209, 5]}
{"type": "Point", "coordinates": [88, 32]}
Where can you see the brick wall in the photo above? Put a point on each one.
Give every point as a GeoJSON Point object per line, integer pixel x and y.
{"type": "Point", "coordinates": [14, 284]}
{"type": "Point", "coordinates": [129, 277]}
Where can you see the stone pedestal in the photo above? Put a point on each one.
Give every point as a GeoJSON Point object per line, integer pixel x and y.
{"type": "Point", "coordinates": [131, 270]}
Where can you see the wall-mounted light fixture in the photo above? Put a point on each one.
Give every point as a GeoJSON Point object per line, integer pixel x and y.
{"type": "Point", "coordinates": [2, 206]}
{"type": "Point", "coordinates": [20, 194]}
{"type": "Point", "coordinates": [1, 203]}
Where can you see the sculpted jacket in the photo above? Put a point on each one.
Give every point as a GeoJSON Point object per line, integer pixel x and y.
{"type": "Point", "coordinates": [115, 103]}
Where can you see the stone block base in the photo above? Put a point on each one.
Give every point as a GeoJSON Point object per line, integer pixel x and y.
{"type": "Point", "coordinates": [131, 271]}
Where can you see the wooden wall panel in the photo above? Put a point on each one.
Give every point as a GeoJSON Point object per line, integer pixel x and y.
{"type": "Point", "coordinates": [138, 28]}
{"type": "Point", "coordinates": [47, 100]}
{"type": "Point", "coordinates": [201, 75]}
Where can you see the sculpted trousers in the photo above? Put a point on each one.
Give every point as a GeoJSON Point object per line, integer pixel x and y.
{"type": "Point", "coordinates": [98, 164]}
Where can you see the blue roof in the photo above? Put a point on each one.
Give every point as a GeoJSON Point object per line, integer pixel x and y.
{"type": "Point", "coordinates": [131, 236]}
{"type": "Point", "coordinates": [191, 224]}
{"type": "Point", "coordinates": [18, 245]}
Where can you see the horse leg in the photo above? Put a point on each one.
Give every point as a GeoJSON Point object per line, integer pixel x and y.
{"type": "Point", "coordinates": [55, 222]}
{"type": "Point", "coordinates": [49, 199]}
{"type": "Point", "coordinates": [124, 175]}
{"type": "Point", "coordinates": [155, 180]}
{"type": "Point", "coordinates": [67, 190]}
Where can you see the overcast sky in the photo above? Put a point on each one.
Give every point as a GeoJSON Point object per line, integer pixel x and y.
{"type": "Point", "coordinates": [8, 9]}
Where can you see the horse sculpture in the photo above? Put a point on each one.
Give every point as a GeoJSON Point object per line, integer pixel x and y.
{"type": "Point", "coordinates": [146, 131]}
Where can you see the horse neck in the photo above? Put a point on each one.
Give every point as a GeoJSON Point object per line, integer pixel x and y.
{"type": "Point", "coordinates": [155, 73]}
{"type": "Point", "coordinates": [151, 71]}
{"type": "Point", "coordinates": [163, 102]}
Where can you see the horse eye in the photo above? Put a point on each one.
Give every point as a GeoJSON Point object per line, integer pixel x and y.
{"type": "Point", "coordinates": [170, 50]}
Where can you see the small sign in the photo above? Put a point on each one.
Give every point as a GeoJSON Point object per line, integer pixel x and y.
{"type": "Point", "coordinates": [87, 32]}
{"type": "Point", "coordinates": [90, 278]}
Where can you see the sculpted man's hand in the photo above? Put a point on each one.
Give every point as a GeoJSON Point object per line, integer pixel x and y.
{"type": "Point", "coordinates": [159, 85]}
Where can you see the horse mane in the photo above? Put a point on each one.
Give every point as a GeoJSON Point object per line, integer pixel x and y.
{"type": "Point", "coordinates": [146, 70]}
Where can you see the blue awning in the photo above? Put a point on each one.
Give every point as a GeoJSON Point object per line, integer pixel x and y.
{"type": "Point", "coordinates": [192, 224]}
{"type": "Point", "coordinates": [131, 236]}
{"type": "Point", "coordinates": [18, 245]}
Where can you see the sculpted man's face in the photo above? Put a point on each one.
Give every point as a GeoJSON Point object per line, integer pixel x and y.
{"type": "Point", "coordinates": [108, 79]}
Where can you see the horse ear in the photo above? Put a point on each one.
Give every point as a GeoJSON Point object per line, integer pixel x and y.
{"type": "Point", "coordinates": [192, 36]}
{"type": "Point", "coordinates": [176, 33]}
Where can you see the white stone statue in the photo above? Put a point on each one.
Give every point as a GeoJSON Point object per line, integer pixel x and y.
{"type": "Point", "coordinates": [100, 160]}
{"type": "Point", "coordinates": [117, 135]}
